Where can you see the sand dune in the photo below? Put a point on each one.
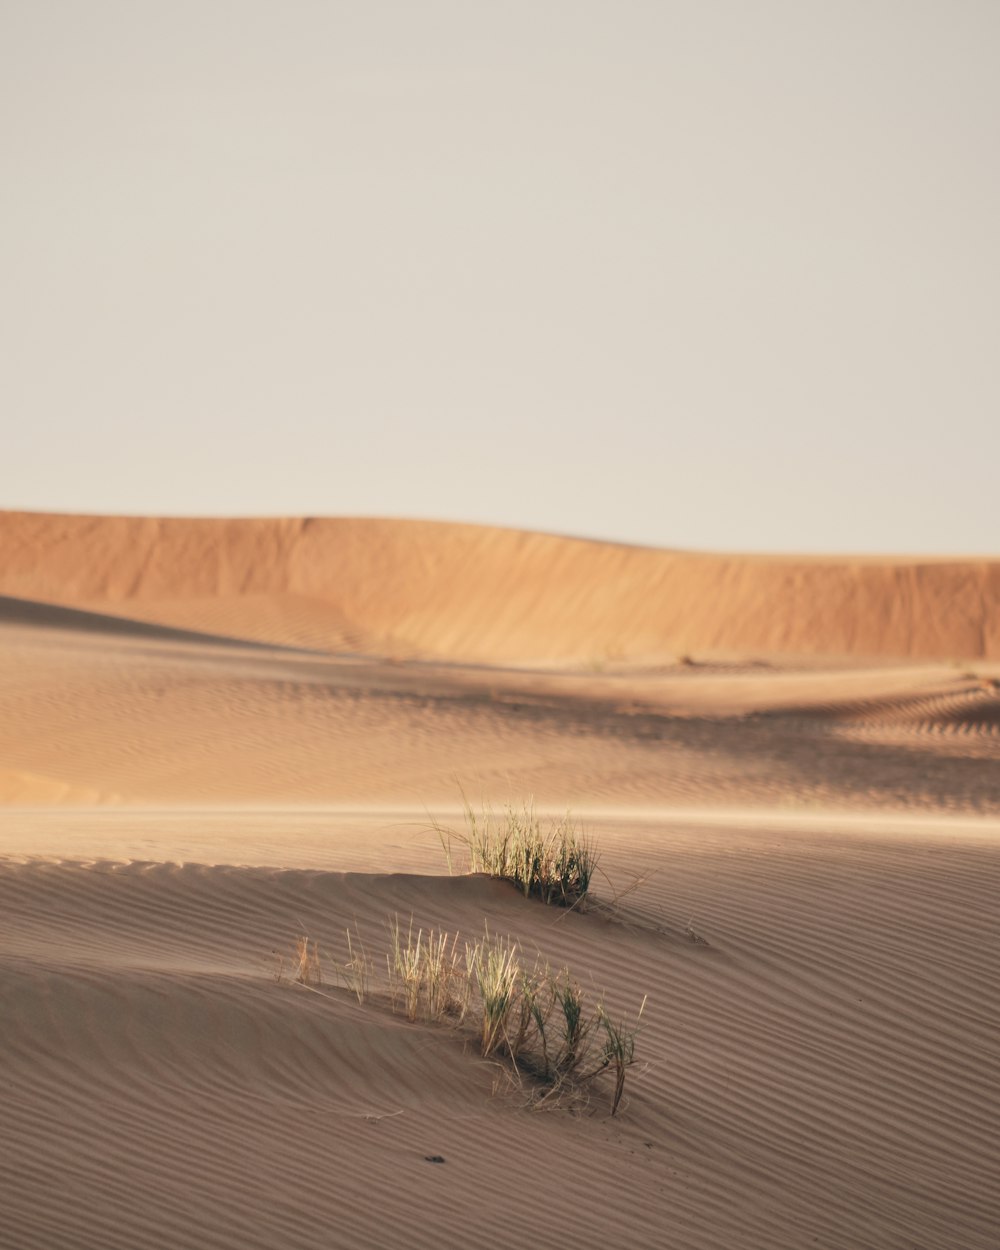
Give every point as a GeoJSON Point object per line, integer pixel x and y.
{"type": "Point", "coordinates": [491, 595]}
{"type": "Point", "coordinates": [817, 1072]}
{"type": "Point", "coordinates": [218, 736]}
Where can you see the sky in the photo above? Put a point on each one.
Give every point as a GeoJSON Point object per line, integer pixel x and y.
{"type": "Point", "coordinates": [705, 274]}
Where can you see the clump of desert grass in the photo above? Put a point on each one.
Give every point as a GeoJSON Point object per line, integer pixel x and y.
{"type": "Point", "coordinates": [549, 1038]}
{"type": "Point", "coordinates": [493, 969]}
{"type": "Point", "coordinates": [553, 1038]}
{"type": "Point", "coordinates": [306, 969]}
{"type": "Point", "coordinates": [547, 859]}
{"type": "Point", "coordinates": [427, 976]}
{"type": "Point", "coordinates": [556, 1039]}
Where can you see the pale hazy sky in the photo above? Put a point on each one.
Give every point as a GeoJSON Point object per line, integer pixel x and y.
{"type": "Point", "coordinates": [711, 273]}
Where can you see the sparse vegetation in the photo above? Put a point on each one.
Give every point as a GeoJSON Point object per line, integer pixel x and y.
{"type": "Point", "coordinates": [619, 1049]}
{"type": "Point", "coordinates": [495, 969]}
{"type": "Point", "coordinates": [427, 978]}
{"type": "Point", "coordinates": [573, 1028]}
{"type": "Point", "coordinates": [551, 860]}
{"type": "Point", "coordinates": [539, 1023]}
{"type": "Point", "coordinates": [357, 968]}
{"type": "Point", "coordinates": [544, 1025]}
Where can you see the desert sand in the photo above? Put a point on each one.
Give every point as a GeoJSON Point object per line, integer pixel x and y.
{"type": "Point", "coordinates": [219, 736]}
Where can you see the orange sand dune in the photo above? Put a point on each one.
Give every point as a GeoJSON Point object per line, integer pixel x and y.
{"type": "Point", "coordinates": [485, 594]}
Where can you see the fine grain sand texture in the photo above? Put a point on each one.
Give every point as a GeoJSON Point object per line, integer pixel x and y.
{"type": "Point", "coordinates": [217, 737]}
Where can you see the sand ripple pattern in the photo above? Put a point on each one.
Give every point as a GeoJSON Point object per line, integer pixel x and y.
{"type": "Point", "coordinates": [968, 716]}
{"type": "Point", "coordinates": [822, 1072]}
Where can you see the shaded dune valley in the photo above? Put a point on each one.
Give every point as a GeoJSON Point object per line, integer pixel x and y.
{"type": "Point", "coordinates": [233, 756]}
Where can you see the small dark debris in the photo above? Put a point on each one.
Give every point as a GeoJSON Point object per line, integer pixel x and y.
{"type": "Point", "coordinates": [434, 1158]}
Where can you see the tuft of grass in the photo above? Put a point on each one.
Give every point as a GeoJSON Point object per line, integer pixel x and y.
{"type": "Point", "coordinates": [306, 968]}
{"type": "Point", "coordinates": [357, 968]}
{"type": "Point", "coordinates": [445, 983]}
{"type": "Point", "coordinates": [403, 964]}
{"type": "Point", "coordinates": [426, 975]}
{"type": "Point", "coordinates": [542, 1022]}
{"type": "Point", "coordinates": [495, 969]}
{"type": "Point", "coordinates": [618, 1052]}
{"type": "Point", "coordinates": [573, 1025]}
{"type": "Point", "coordinates": [551, 860]}
{"type": "Point", "coordinates": [530, 1013]}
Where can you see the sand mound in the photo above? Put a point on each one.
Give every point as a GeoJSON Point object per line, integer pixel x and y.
{"type": "Point", "coordinates": [494, 595]}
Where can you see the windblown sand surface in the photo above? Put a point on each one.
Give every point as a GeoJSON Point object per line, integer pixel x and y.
{"type": "Point", "coordinates": [218, 736]}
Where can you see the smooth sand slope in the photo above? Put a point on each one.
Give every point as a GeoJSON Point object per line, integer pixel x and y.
{"type": "Point", "coordinates": [803, 839]}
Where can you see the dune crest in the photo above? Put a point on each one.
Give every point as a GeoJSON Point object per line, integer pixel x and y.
{"type": "Point", "coordinates": [491, 595]}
